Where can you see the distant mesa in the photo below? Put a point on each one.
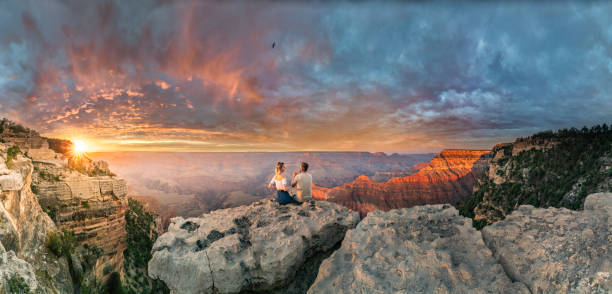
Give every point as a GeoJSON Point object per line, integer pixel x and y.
{"type": "Point", "coordinates": [448, 178]}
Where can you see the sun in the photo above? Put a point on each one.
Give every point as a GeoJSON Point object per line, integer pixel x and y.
{"type": "Point", "coordinates": [79, 148]}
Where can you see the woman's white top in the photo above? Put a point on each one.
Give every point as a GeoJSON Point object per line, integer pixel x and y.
{"type": "Point", "coordinates": [280, 185]}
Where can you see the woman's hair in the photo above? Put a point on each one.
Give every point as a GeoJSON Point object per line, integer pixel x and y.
{"type": "Point", "coordinates": [278, 168]}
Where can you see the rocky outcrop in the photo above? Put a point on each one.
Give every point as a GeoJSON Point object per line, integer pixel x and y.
{"type": "Point", "coordinates": [92, 207]}
{"type": "Point", "coordinates": [78, 194]}
{"type": "Point", "coordinates": [431, 249]}
{"type": "Point", "coordinates": [263, 247]}
{"type": "Point", "coordinates": [545, 170]}
{"type": "Point", "coordinates": [13, 267]}
{"type": "Point", "coordinates": [448, 178]}
{"type": "Point", "coordinates": [557, 250]}
{"type": "Point", "coordinates": [23, 231]}
{"type": "Point", "coordinates": [424, 249]}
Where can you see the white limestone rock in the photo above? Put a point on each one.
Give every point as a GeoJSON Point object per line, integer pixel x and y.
{"type": "Point", "coordinates": [258, 247]}
{"type": "Point", "coordinates": [12, 266]}
{"type": "Point", "coordinates": [557, 250]}
{"type": "Point", "coordinates": [423, 249]}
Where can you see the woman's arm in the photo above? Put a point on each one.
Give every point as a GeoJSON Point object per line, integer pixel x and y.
{"type": "Point", "coordinates": [284, 184]}
{"type": "Point", "coordinates": [271, 185]}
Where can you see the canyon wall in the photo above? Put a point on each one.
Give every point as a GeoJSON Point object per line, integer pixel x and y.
{"type": "Point", "coordinates": [77, 195]}
{"type": "Point", "coordinates": [91, 206]}
{"type": "Point", "coordinates": [544, 170]}
{"type": "Point", "coordinates": [448, 178]}
{"type": "Point", "coordinates": [24, 228]}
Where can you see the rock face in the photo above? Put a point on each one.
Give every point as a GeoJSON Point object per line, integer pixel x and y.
{"type": "Point", "coordinates": [557, 250]}
{"type": "Point", "coordinates": [255, 248]}
{"type": "Point", "coordinates": [424, 249]}
{"type": "Point", "coordinates": [23, 231]}
{"type": "Point", "coordinates": [430, 249]}
{"type": "Point", "coordinates": [91, 206]}
{"type": "Point", "coordinates": [75, 193]}
{"type": "Point", "coordinates": [448, 178]}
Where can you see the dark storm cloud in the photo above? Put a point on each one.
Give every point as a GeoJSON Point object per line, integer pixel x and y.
{"type": "Point", "coordinates": [387, 76]}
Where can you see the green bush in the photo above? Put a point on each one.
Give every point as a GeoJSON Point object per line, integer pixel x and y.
{"type": "Point", "coordinates": [85, 204]}
{"type": "Point", "coordinates": [17, 285]}
{"type": "Point", "coordinates": [11, 153]}
{"type": "Point", "coordinates": [61, 243]}
{"type": "Point", "coordinates": [51, 211]}
{"type": "Point", "coordinates": [138, 224]}
{"type": "Point", "coordinates": [107, 269]}
{"type": "Point", "coordinates": [576, 156]}
{"type": "Point", "coordinates": [19, 129]}
{"type": "Point", "coordinates": [113, 285]}
{"type": "Point", "coordinates": [49, 177]}
{"type": "Point", "coordinates": [34, 188]}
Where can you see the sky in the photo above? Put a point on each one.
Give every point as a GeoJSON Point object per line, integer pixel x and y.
{"type": "Point", "coordinates": [385, 76]}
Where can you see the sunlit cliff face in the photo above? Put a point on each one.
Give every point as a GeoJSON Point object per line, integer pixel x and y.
{"type": "Point", "coordinates": [391, 76]}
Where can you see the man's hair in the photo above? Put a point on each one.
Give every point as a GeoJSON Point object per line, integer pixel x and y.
{"type": "Point", "coordinates": [305, 166]}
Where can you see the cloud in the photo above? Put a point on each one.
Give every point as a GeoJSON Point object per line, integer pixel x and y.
{"type": "Point", "coordinates": [390, 76]}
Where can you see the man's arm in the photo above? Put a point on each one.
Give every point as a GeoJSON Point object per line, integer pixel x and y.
{"type": "Point", "coordinates": [294, 180]}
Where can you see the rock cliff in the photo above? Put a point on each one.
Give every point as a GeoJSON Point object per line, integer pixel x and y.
{"type": "Point", "coordinates": [557, 250]}
{"type": "Point", "coordinates": [448, 178]}
{"type": "Point", "coordinates": [260, 248]}
{"type": "Point", "coordinates": [23, 231]}
{"type": "Point", "coordinates": [431, 249]}
{"type": "Point", "coordinates": [267, 248]}
{"type": "Point", "coordinates": [84, 198]}
{"type": "Point", "coordinates": [548, 169]}
{"type": "Point", "coordinates": [76, 194]}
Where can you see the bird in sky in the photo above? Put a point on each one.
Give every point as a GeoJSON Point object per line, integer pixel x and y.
{"type": "Point", "coordinates": [273, 45]}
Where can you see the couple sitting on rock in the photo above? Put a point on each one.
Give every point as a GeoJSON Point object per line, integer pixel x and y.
{"type": "Point", "coordinates": [302, 181]}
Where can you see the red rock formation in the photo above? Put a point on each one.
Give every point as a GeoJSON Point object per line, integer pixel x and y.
{"type": "Point", "coordinates": [448, 178]}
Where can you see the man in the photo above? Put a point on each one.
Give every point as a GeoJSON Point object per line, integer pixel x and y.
{"type": "Point", "coordinates": [303, 183]}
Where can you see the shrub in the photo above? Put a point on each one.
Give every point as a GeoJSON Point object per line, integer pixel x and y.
{"type": "Point", "coordinates": [51, 211]}
{"type": "Point", "coordinates": [107, 269]}
{"type": "Point", "coordinates": [114, 284]}
{"type": "Point", "coordinates": [85, 204]}
{"type": "Point", "coordinates": [17, 285]}
{"type": "Point", "coordinates": [11, 153]}
{"type": "Point", "coordinates": [61, 243]}
{"type": "Point", "coordinates": [34, 188]}
{"type": "Point", "coordinates": [19, 129]}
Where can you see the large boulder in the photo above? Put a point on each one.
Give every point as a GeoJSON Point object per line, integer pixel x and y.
{"type": "Point", "coordinates": [12, 267]}
{"type": "Point", "coordinates": [262, 247]}
{"type": "Point", "coordinates": [423, 249]}
{"type": "Point", "coordinates": [557, 250]}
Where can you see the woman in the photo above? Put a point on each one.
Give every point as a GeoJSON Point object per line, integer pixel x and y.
{"type": "Point", "coordinates": [280, 182]}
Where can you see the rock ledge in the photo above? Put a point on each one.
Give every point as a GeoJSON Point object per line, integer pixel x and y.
{"type": "Point", "coordinates": [254, 248]}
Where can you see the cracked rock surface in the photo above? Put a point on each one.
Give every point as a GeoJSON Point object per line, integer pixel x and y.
{"type": "Point", "coordinates": [423, 249]}
{"type": "Point", "coordinates": [557, 250]}
{"type": "Point", "coordinates": [254, 248]}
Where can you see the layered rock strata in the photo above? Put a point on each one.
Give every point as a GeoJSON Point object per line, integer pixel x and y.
{"type": "Point", "coordinates": [23, 231]}
{"type": "Point", "coordinates": [93, 208]}
{"type": "Point", "coordinates": [448, 178]}
{"type": "Point", "coordinates": [255, 248]}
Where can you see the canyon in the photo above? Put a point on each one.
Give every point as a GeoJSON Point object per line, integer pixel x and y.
{"type": "Point", "coordinates": [448, 178]}
{"type": "Point", "coordinates": [189, 184]}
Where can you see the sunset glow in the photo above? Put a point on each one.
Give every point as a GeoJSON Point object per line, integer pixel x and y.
{"type": "Point", "coordinates": [79, 146]}
{"type": "Point", "coordinates": [392, 76]}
